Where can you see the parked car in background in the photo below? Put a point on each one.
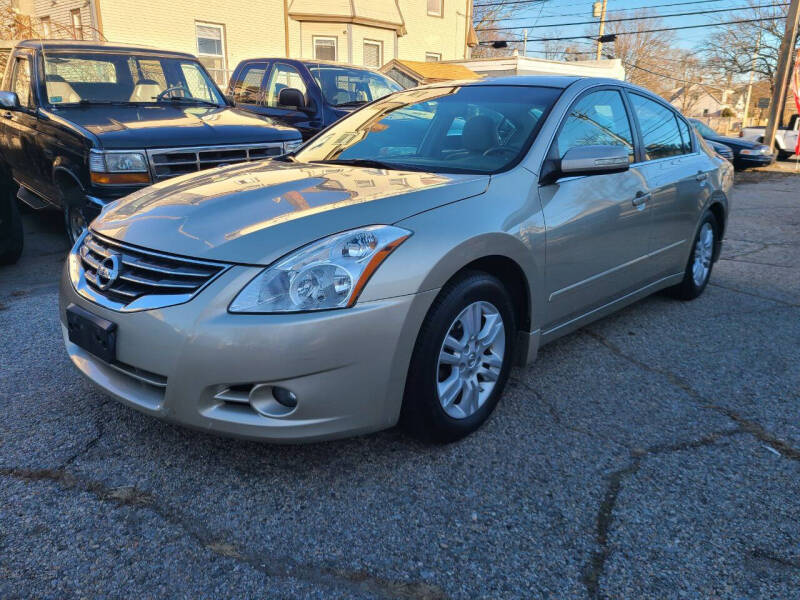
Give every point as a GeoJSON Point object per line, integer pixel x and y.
{"type": "Point", "coordinates": [746, 153]}
{"type": "Point", "coordinates": [785, 137]}
{"type": "Point", "coordinates": [394, 267]}
{"type": "Point", "coordinates": [306, 94]}
{"type": "Point", "coordinates": [84, 123]}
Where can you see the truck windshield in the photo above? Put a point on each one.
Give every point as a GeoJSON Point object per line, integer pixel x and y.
{"type": "Point", "coordinates": [452, 129]}
{"type": "Point", "coordinates": [108, 78]}
{"type": "Point", "coordinates": [350, 87]}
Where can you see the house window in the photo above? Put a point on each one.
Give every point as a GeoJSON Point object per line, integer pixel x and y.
{"type": "Point", "coordinates": [211, 50]}
{"type": "Point", "coordinates": [46, 31]}
{"type": "Point", "coordinates": [77, 23]}
{"type": "Point", "coordinates": [324, 48]}
{"type": "Point", "coordinates": [435, 7]}
{"type": "Point", "coordinates": [373, 54]}
{"type": "Point", "coordinates": [432, 57]}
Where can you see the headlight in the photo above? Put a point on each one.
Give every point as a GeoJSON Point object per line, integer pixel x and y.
{"type": "Point", "coordinates": [329, 273]}
{"type": "Point", "coordinates": [292, 145]}
{"type": "Point", "coordinates": [118, 167]}
{"type": "Point", "coordinates": [756, 151]}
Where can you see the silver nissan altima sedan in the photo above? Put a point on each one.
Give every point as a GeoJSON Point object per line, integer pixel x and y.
{"type": "Point", "coordinates": [397, 265]}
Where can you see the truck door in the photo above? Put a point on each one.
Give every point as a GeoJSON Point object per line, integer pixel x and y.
{"type": "Point", "coordinates": [19, 128]}
{"type": "Point", "coordinates": [247, 86]}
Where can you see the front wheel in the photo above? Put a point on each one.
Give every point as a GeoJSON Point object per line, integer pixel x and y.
{"type": "Point", "coordinates": [461, 360]}
{"type": "Point", "coordinates": [701, 261]}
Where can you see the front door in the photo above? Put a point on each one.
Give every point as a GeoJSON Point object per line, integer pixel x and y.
{"type": "Point", "coordinates": [20, 128]}
{"type": "Point", "coordinates": [248, 87]}
{"type": "Point", "coordinates": [598, 226]}
{"type": "Point", "coordinates": [283, 76]}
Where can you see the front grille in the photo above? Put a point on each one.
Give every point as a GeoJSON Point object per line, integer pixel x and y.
{"type": "Point", "coordinates": [171, 162]}
{"type": "Point", "coordinates": [123, 276]}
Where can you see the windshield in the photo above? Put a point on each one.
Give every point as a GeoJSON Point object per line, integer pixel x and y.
{"type": "Point", "coordinates": [342, 86]}
{"type": "Point", "coordinates": [471, 129]}
{"type": "Point", "coordinates": [101, 78]}
{"type": "Point", "coordinates": [704, 129]}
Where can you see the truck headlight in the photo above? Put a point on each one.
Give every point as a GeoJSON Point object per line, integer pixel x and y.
{"type": "Point", "coordinates": [292, 145]}
{"type": "Point", "coordinates": [328, 273]}
{"type": "Point", "coordinates": [112, 167]}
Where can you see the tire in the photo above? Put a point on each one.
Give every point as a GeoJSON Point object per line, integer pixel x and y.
{"type": "Point", "coordinates": [695, 281]}
{"type": "Point", "coordinates": [783, 155]}
{"type": "Point", "coordinates": [75, 222]}
{"type": "Point", "coordinates": [476, 295]}
{"type": "Point", "coordinates": [11, 234]}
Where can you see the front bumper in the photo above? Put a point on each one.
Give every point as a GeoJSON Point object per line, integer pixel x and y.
{"type": "Point", "coordinates": [745, 161]}
{"type": "Point", "coordinates": [346, 367]}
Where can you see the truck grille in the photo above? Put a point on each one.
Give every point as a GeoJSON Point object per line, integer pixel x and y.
{"type": "Point", "coordinates": [171, 162]}
{"type": "Point", "coordinates": [126, 278]}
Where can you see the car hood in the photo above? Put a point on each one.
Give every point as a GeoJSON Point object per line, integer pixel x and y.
{"type": "Point", "coordinates": [160, 126]}
{"type": "Point", "coordinates": [732, 142]}
{"type": "Point", "coordinates": [254, 213]}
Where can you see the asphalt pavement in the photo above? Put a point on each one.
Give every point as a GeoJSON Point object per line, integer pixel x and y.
{"type": "Point", "coordinates": [653, 454]}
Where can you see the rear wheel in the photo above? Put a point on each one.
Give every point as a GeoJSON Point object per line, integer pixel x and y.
{"type": "Point", "coordinates": [461, 360]}
{"type": "Point", "coordinates": [701, 261]}
{"type": "Point", "coordinates": [11, 234]}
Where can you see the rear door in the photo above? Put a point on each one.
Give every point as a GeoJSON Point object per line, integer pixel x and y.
{"type": "Point", "coordinates": [598, 226]}
{"type": "Point", "coordinates": [677, 175]}
{"type": "Point", "coordinates": [247, 86]}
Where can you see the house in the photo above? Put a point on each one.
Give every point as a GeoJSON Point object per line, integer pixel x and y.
{"type": "Point", "coordinates": [698, 100]}
{"type": "Point", "coordinates": [359, 32]}
{"type": "Point", "coordinates": [515, 64]}
{"type": "Point", "coordinates": [411, 73]}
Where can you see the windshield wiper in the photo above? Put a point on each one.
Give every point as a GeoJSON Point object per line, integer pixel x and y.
{"type": "Point", "coordinates": [185, 100]}
{"type": "Point", "coordinates": [368, 162]}
{"type": "Point", "coordinates": [352, 103]}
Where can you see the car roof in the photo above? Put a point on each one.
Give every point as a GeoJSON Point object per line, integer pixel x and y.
{"type": "Point", "coordinates": [98, 46]}
{"type": "Point", "coordinates": [311, 61]}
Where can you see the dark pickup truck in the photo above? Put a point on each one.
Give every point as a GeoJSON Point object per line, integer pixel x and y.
{"type": "Point", "coordinates": [306, 94]}
{"type": "Point", "coordinates": [85, 123]}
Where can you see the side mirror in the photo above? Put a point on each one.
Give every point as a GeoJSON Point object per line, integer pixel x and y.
{"type": "Point", "coordinates": [9, 100]}
{"type": "Point", "coordinates": [594, 160]}
{"type": "Point", "coordinates": [292, 98]}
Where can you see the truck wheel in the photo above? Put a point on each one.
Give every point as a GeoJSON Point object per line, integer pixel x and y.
{"type": "Point", "coordinates": [11, 234]}
{"type": "Point", "coordinates": [783, 154]}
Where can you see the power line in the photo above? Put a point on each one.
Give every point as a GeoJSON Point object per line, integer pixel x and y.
{"type": "Point", "coordinates": [612, 10]}
{"type": "Point", "coordinates": [660, 29]}
{"type": "Point", "coordinates": [683, 14]}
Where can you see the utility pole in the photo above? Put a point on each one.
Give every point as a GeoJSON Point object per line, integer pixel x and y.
{"type": "Point", "coordinates": [602, 10]}
{"type": "Point", "coordinates": [525, 43]}
{"type": "Point", "coordinates": [782, 74]}
{"type": "Point", "coordinates": [750, 84]}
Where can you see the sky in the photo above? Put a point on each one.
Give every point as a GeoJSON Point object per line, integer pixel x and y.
{"type": "Point", "coordinates": [554, 12]}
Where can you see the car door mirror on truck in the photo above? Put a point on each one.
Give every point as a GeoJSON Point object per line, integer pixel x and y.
{"type": "Point", "coordinates": [9, 100]}
{"type": "Point", "coordinates": [594, 160]}
{"type": "Point", "coordinates": [292, 98]}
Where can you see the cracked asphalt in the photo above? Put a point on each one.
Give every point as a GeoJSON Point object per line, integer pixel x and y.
{"type": "Point", "coordinates": [653, 454]}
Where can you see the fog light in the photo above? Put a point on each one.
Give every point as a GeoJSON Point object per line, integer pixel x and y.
{"type": "Point", "coordinates": [272, 401]}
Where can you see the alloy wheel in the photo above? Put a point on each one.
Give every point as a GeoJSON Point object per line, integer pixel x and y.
{"type": "Point", "coordinates": [470, 359]}
{"type": "Point", "coordinates": [703, 253]}
{"type": "Point", "coordinates": [76, 224]}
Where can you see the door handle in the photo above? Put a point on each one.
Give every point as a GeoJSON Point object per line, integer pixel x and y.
{"type": "Point", "coordinates": [7, 114]}
{"type": "Point", "coordinates": [701, 176]}
{"type": "Point", "coordinates": [641, 198]}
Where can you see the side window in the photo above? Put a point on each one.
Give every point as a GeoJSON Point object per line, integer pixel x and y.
{"type": "Point", "coordinates": [599, 118]}
{"type": "Point", "coordinates": [247, 88]}
{"type": "Point", "coordinates": [22, 82]}
{"type": "Point", "coordinates": [282, 77]}
{"type": "Point", "coordinates": [659, 128]}
{"type": "Point", "coordinates": [685, 137]}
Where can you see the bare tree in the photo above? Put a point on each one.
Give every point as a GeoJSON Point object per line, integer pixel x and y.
{"type": "Point", "coordinates": [487, 14]}
{"type": "Point", "coordinates": [16, 25]}
{"type": "Point", "coordinates": [743, 47]}
{"type": "Point", "coordinates": [643, 53]}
